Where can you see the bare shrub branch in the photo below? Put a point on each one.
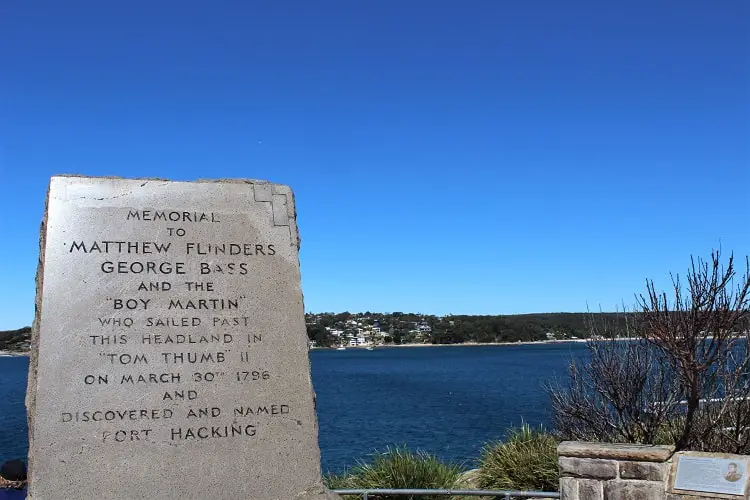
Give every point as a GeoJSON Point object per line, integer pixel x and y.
{"type": "Point", "coordinates": [678, 373]}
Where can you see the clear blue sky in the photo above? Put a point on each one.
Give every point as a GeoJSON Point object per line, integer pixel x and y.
{"type": "Point", "coordinates": [447, 157]}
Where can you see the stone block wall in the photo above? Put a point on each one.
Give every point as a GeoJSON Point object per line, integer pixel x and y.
{"type": "Point", "coordinates": [598, 471]}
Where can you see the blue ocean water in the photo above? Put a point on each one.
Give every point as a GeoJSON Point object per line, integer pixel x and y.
{"type": "Point", "coordinates": [13, 429]}
{"type": "Point", "coordinates": [449, 401]}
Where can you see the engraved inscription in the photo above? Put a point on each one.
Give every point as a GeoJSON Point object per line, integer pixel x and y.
{"type": "Point", "coordinates": [137, 340]}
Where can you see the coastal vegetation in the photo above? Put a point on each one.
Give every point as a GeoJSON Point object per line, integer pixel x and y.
{"type": "Point", "coordinates": [400, 468]}
{"type": "Point", "coordinates": [683, 380]}
{"type": "Point", "coordinates": [525, 460]}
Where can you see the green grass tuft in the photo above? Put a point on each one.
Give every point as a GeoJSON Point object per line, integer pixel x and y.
{"type": "Point", "coordinates": [526, 460]}
{"type": "Point", "coordinates": [338, 481]}
{"type": "Point", "coordinates": [399, 468]}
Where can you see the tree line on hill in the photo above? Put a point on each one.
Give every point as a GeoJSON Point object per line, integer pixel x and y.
{"type": "Point", "coordinates": [403, 328]}
{"type": "Point", "coordinates": [15, 340]}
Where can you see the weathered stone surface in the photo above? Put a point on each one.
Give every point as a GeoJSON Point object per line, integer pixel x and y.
{"type": "Point", "coordinates": [569, 488]}
{"type": "Point", "coordinates": [638, 453]}
{"type": "Point", "coordinates": [634, 490]}
{"type": "Point", "coordinates": [590, 468]}
{"type": "Point", "coordinates": [170, 356]}
{"type": "Point", "coordinates": [650, 471]}
{"type": "Point", "coordinates": [590, 489]}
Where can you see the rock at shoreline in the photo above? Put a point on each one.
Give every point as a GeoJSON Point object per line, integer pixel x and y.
{"type": "Point", "coordinates": [13, 474]}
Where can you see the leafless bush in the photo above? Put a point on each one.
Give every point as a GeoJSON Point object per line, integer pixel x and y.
{"type": "Point", "coordinates": [679, 373]}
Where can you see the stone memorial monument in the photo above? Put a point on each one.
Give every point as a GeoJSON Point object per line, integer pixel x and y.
{"type": "Point", "coordinates": [169, 350]}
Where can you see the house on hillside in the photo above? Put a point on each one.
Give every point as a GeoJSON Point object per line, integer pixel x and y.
{"type": "Point", "coordinates": [358, 340]}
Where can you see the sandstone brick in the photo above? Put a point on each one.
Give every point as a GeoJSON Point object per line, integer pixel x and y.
{"type": "Point", "coordinates": [614, 451]}
{"type": "Point", "coordinates": [649, 471]}
{"type": "Point", "coordinates": [634, 490]}
{"type": "Point", "coordinates": [569, 488]}
{"type": "Point", "coordinates": [590, 489]}
{"type": "Point", "coordinates": [587, 468]}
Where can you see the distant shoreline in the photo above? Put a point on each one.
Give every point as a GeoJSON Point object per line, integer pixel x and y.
{"type": "Point", "coordinates": [389, 346]}
{"type": "Point", "coordinates": [8, 354]}
{"type": "Point", "coordinates": [464, 344]}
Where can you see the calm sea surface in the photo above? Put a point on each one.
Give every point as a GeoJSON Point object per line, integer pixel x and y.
{"type": "Point", "coordinates": [445, 400]}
